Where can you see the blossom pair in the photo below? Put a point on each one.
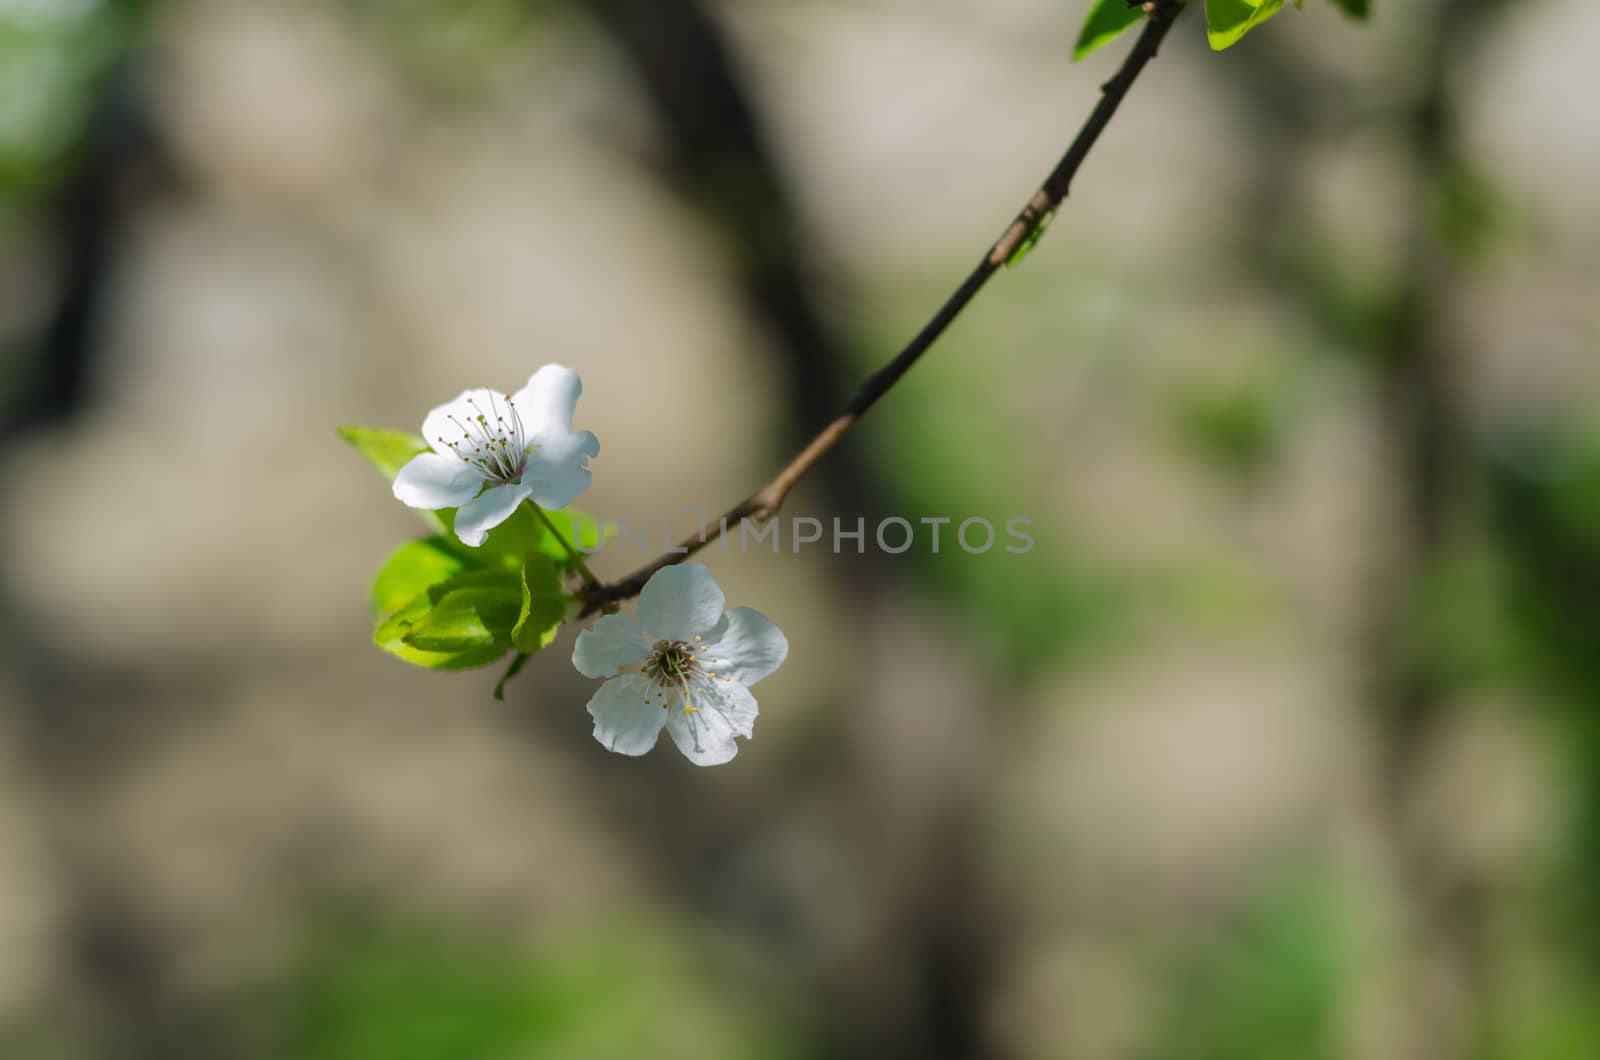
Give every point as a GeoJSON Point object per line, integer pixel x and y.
{"type": "Point", "coordinates": [685, 664]}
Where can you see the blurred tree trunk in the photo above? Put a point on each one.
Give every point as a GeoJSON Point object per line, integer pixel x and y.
{"type": "Point", "coordinates": [935, 938]}
{"type": "Point", "coordinates": [118, 992]}
{"type": "Point", "coordinates": [719, 157]}
{"type": "Point", "coordinates": [1447, 975]}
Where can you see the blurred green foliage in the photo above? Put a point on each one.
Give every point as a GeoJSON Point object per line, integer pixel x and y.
{"type": "Point", "coordinates": [390, 987]}
{"type": "Point", "coordinates": [1471, 214]}
{"type": "Point", "coordinates": [453, 49]}
{"type": "Point", "coordinates": [53, 54]}
{"type": "Point", "coordinates": [38, 1039]}
{"type": "Point", "coordinates": [1545, 495]}
{"type": "Point", "coordinates": [1461, 627]}
{"type": "Point", "coordinates": [1238, 427]}
{"type": "Point", "coordinates": [1267, 983]}
{"type": "Point", "coordinates": [1547, 498]}
{"type": "Point", "coordinates": [949, 449]}
{"type": "Point", "coordinates": [1565, 1026]}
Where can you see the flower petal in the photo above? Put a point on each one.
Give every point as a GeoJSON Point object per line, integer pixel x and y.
{"type": "Point", "coordinates": [704, 726]}
{"type": "Point", "coordinates": [475, 519]}
{"type": "Point", "coordinates": [549, 400]}
{"type": "Point", "coordinates": [628, 714]}
{"type": "Point", "coordinates": [432, 481]}
{"type": "Point", "coordinates": [452, 421]}
{"type": "Point", "coordinates": [615, 641]}
{"type": "Point", "coordinates": [680, 601]}
{"type": "Point", "coordinates": [745, 646]}
{"type": "Point", "coordinates": [558, 467]}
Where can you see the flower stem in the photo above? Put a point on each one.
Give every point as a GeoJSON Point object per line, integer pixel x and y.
{"type": "Point", "coordinates": [577, 557]}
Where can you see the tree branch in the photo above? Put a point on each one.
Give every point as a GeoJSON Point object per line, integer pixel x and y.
{"type": "Point", "coordinates": [1029, 222]}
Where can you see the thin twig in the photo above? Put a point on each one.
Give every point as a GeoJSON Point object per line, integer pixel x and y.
{"type": "Point", "coordinates": [764, 504]}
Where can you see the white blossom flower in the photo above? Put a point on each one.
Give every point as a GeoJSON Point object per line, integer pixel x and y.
{"type": "Point", "coordinates": [684, 665]}
{"type": "Point", "coordinates": [491, 452]}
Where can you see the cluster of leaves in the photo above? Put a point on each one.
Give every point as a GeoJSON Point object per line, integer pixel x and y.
{"type": "Point", "coordinates": [445, 606]}
{"type": "Point", "coordinates": [1227, 21]}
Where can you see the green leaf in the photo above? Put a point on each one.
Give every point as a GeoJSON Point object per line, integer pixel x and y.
{"type": "Point", "coordinates": [1106, 22]}
{"type": "Point", "coordinates": [507, 544]}
{"type": "Point", "coordinates": [1227, 21]}
{"type": "Point", "coordinates": [392, 633]}
{"type": "Point", "coordinates": [467, 620]}
{"type": "Point", "coordinates": [1354, 8]}
{"type": "Point", "coordinates": [513, 539]}
{"type": "Point", "coordinates": [512, 671]}
{"type": "Point", "coordinates": [412, 568]}
{"type": "Point", "coordinates": [387, 451]}
{"type": "Point", "coordinates": [544, 604]}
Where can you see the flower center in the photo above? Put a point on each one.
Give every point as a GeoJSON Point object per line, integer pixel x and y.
{"type": "Point", "coordinates": [672, 662]}
{"type": "Point", "coordinates": [493, 441]}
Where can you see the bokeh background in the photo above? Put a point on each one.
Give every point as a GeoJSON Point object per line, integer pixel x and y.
{"type": "Point", "coordinates": [1284, 744]}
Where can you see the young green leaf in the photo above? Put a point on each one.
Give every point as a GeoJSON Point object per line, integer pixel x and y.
{"type": "Point", "coordinates": [1227, 21]}
{"type": "Point", "coordinates": [411, 569]}
{"type": "Point", "coordinates": [517, 663]}
{"type": "Point", "coordinates": [1107, 21]}
{"type": "Point", "coordinates": [509, 542]}
{"type": "Point", "coordinates": [467, 620]}
{"type": "Point", "coordinates": [392, 633]}
{"type": "Point", "coordinates": [544, 604]}
{"type": "Point", "coordinates": [387, 451]}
